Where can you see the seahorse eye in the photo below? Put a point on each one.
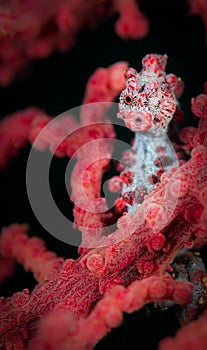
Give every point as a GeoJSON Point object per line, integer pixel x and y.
{"type": "Point", "coordinates": [128, 99]}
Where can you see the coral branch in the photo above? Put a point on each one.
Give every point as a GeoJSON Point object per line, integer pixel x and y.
{"type": "Point", "coordinates": [135, 28]}
{"type": "Point", "coordinates": [190, 337]}
{"type": "Point", "coordinates": [31, 252]}
{"type": "Point", "coordinates": [199, 7]}
{"type": "Point", "coordinates": [64, 136]}
{"type": "Point", "coordinates": [36, 29]}
{"type": "Point", "coordinates": [14, 131]}
{"type": "Point", "coordinates": [108, 313]}
{"type": "Point", "coordinates": [7, 268]}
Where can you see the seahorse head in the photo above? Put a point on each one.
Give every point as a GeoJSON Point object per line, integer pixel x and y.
{"type": "Point", "coordinates": [148, 102]}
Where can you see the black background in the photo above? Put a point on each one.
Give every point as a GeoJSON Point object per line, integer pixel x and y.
{"type": "Point", "coordinates": [57, 84]}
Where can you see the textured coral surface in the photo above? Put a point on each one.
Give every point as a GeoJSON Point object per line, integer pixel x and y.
{"type": "Point", "coordinates": [144, 253]}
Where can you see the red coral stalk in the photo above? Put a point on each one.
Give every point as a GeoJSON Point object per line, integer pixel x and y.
{"type": "Point", "coordinates": [37, 28]}
{"type": "Point", "coordinates": [30, 252]}
{"type": "Point", "coordinates": [199, 7]}
{"type": "Point", "coordinates": [107, 314]}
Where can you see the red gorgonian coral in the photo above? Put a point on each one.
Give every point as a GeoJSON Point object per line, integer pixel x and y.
{"type": "Point", "coordinates": [34, 29]}
{"type": "Point", "coordinates": [157, 216]}
{"type": "Point", "coordinates": [199, 8]}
